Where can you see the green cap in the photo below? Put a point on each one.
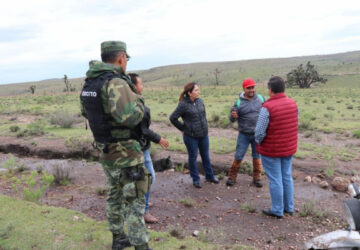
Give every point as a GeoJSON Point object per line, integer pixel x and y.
{"type": "Point", "coordinates": [113, 46]}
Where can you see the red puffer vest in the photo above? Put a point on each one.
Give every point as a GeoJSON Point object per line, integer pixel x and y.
{"type": "Point", "coordinates": [282, 132]}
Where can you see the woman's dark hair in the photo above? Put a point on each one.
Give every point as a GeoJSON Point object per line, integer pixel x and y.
{"type": "Point", "coordinates": [276, 84]}
{"type": "Point", "coordinates": [133, 77]}
{"type": "Point", "coordinates": [189, 87]}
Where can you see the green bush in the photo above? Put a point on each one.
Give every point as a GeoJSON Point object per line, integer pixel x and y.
{"type": "Point", "coordinates": [33, 189]}
{"type": "Point", "coordinates": [305, 121]}
{"type": "Point", "coordinates": [14, 128]}
{"type": "Point", "coordinates": [187, 202]}
{"type": "Point", "coordinates": [356, 134]}
{"type": "Point", "coordinates": [33, 129]}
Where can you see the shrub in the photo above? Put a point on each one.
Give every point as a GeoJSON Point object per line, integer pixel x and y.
{"type": "Point", "coordinates": [305, 121]}
{"type": "Point", "coordinates": [356, 134]}
{"type": "Point", "coordinates": [14, 128]}
{"type": "Point", "coordinates": [187, 202]}
{"type": "Point", "coordinates": [82, 144]}
{"type": "Point", "coordinates": [248, 207]}
{"type": "Point", "coordinates": [33, 190]}
{"type": "Point", "coordinates": [215, 118]}
{"type": "Point", "coordinates": [180, 167]}
{"type": "Point", "coordinates": [61, 175]}
{"type": "Point", "coordinates": [63, 119]}
{"type": "Point", "coordinates": [33, 129]}
{"type": "Point", "coordinates": [177, 232]}
{"type": "Point", "coordinates": [101, 190]}
{"type": "Point", "coordinates": [10, 164]}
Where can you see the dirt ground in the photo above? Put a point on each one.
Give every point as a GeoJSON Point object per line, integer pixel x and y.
{"type": "Point", "coordinates": [220, 213]}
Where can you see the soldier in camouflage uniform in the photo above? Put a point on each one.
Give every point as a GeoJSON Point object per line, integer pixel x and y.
{"type": "Point", "coordinates": [113, 107]}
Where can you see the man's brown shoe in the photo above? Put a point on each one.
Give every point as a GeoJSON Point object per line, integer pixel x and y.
{"type": "Point", "coordinates": [149, 218]}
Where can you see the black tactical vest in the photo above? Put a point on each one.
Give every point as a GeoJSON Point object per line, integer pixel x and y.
{"type": "Point", "coordinates": [99, 121]}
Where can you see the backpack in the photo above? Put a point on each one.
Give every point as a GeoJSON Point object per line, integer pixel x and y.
{"type": "Point", "coordinates": [262, 99]}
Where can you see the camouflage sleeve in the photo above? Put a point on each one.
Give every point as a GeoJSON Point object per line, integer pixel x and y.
{"type": "Point", "coordinates": [125, 106]}
{"type": "Point", "coordinates": [82, 109]}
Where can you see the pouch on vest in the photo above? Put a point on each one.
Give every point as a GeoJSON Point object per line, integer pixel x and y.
{"type": "Point", "coordinates": [143, 186]}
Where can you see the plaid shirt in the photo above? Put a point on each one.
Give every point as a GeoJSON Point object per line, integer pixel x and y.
{"type": "Point", "coordinates": [261, 125]}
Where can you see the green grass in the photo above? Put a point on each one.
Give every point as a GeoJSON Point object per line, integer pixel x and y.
{"type": "Point", "coordinates": [26, 225]}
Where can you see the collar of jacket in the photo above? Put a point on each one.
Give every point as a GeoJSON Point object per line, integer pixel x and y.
{"type": "Point", "coordinates": [277, 96]}
{"type": "Point", "coordinates": [187, 99]}
{"type": "Point", "coordinates": [100, 68]}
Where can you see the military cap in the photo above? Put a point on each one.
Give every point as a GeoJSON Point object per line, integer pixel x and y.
{"type": "Point", "coordinates": [108, 46]}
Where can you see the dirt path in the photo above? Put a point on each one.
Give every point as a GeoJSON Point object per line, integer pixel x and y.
{"type": "Point", "coordinates": [218, 212]}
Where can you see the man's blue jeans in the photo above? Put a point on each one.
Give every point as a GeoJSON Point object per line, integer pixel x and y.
{"type": "Point", "coordinates": [149, 165]}
{"type": "Point", "coordinates": [278, 171]}
{"type": "Point", "coordinates": [242, 145]}
{"type": "Point", "coordinates": [193, 145]}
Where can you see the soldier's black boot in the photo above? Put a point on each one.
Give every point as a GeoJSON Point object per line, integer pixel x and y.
{"type": "Point", "coordinates": [120, 242]}
{"type": "Point", "coordinates": [143, 247]}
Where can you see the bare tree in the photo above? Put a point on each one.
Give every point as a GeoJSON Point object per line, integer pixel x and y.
{"type": "Point", "coordinates": [216, 73]}
{"type": "Point", "coordinates": [32, 89]}
{"type": "Point", "coordinates": [68, 87]}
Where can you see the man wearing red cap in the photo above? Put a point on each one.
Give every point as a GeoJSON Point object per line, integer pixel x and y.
{"type": "Point", "coordinates": [246, 111]}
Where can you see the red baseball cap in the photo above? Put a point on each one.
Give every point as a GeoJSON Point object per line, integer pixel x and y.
{"type": "Point", "coordinates": [248, 82]}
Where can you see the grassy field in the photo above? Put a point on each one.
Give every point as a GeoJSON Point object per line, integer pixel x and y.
{"type": "Point", "coordinates": [26, 225]}
{"type": "Point", "coordinates": [324, 109]}
{"type": "Point", "coordinates": [333, 108]}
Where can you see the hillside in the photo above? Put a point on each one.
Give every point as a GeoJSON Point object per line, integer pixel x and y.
{"type": "Point", "coordinates": [340, 69]}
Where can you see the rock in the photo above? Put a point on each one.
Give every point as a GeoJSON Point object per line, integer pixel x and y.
{"type": "Point", "coordinates": [195, 233]}
{"type": "Point", "coordinates": [355, 179]}
{"type": "Point", "coordinates": [75, 218]}
{"type": "Point", "coordinates": [340, 184]}
{"type": "Point", "coordinates": [324, 184]}
{"type": "Point", "coordinates": [307, 178]}
{"type": "Point", "coordinates": [316, 180]}
{"type": "Point", "coordinates": [321, 176]}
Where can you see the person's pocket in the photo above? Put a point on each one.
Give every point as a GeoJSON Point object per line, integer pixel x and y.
{"type": "Point", "coordinates": [143, 186]}
{"type": "Point", "coordinates": [129, 190]}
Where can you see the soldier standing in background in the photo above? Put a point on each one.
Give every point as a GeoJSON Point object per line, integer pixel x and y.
{"type": "Point", "coordinates": [113, 107]}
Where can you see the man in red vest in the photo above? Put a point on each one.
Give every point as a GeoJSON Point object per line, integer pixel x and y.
{"type": "Point", "coordinates": [276, 134]}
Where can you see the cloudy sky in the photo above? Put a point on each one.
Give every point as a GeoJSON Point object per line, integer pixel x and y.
{"type": "Point", "coordinates": [41, 39]}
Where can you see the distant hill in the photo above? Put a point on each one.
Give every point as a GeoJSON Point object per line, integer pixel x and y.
{"type": "Point", "coordinates": [342, 69]}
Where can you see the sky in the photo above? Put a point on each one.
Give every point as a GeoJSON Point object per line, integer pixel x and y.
{"type": "Point", "coordinates": [44, 39]}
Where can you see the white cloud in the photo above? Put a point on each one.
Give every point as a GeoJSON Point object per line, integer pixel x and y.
{"type": "Point", "coordinates": [56, 32]}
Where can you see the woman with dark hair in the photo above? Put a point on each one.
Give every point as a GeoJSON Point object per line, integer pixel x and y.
{"type": "Point", "coordinates": [146, 135]}
{"type": "Point", "coordinates": [195, 131]}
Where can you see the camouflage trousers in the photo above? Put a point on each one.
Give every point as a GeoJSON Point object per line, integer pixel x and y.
{"type": "Point", "coordinates": [125, 202]}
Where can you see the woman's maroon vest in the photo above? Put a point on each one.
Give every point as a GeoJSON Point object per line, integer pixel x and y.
{"type": "Point", "coordinates": [282, 132]}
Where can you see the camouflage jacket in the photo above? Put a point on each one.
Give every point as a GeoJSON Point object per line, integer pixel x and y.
{"type": "Point", "coordinates": [119, 99]}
